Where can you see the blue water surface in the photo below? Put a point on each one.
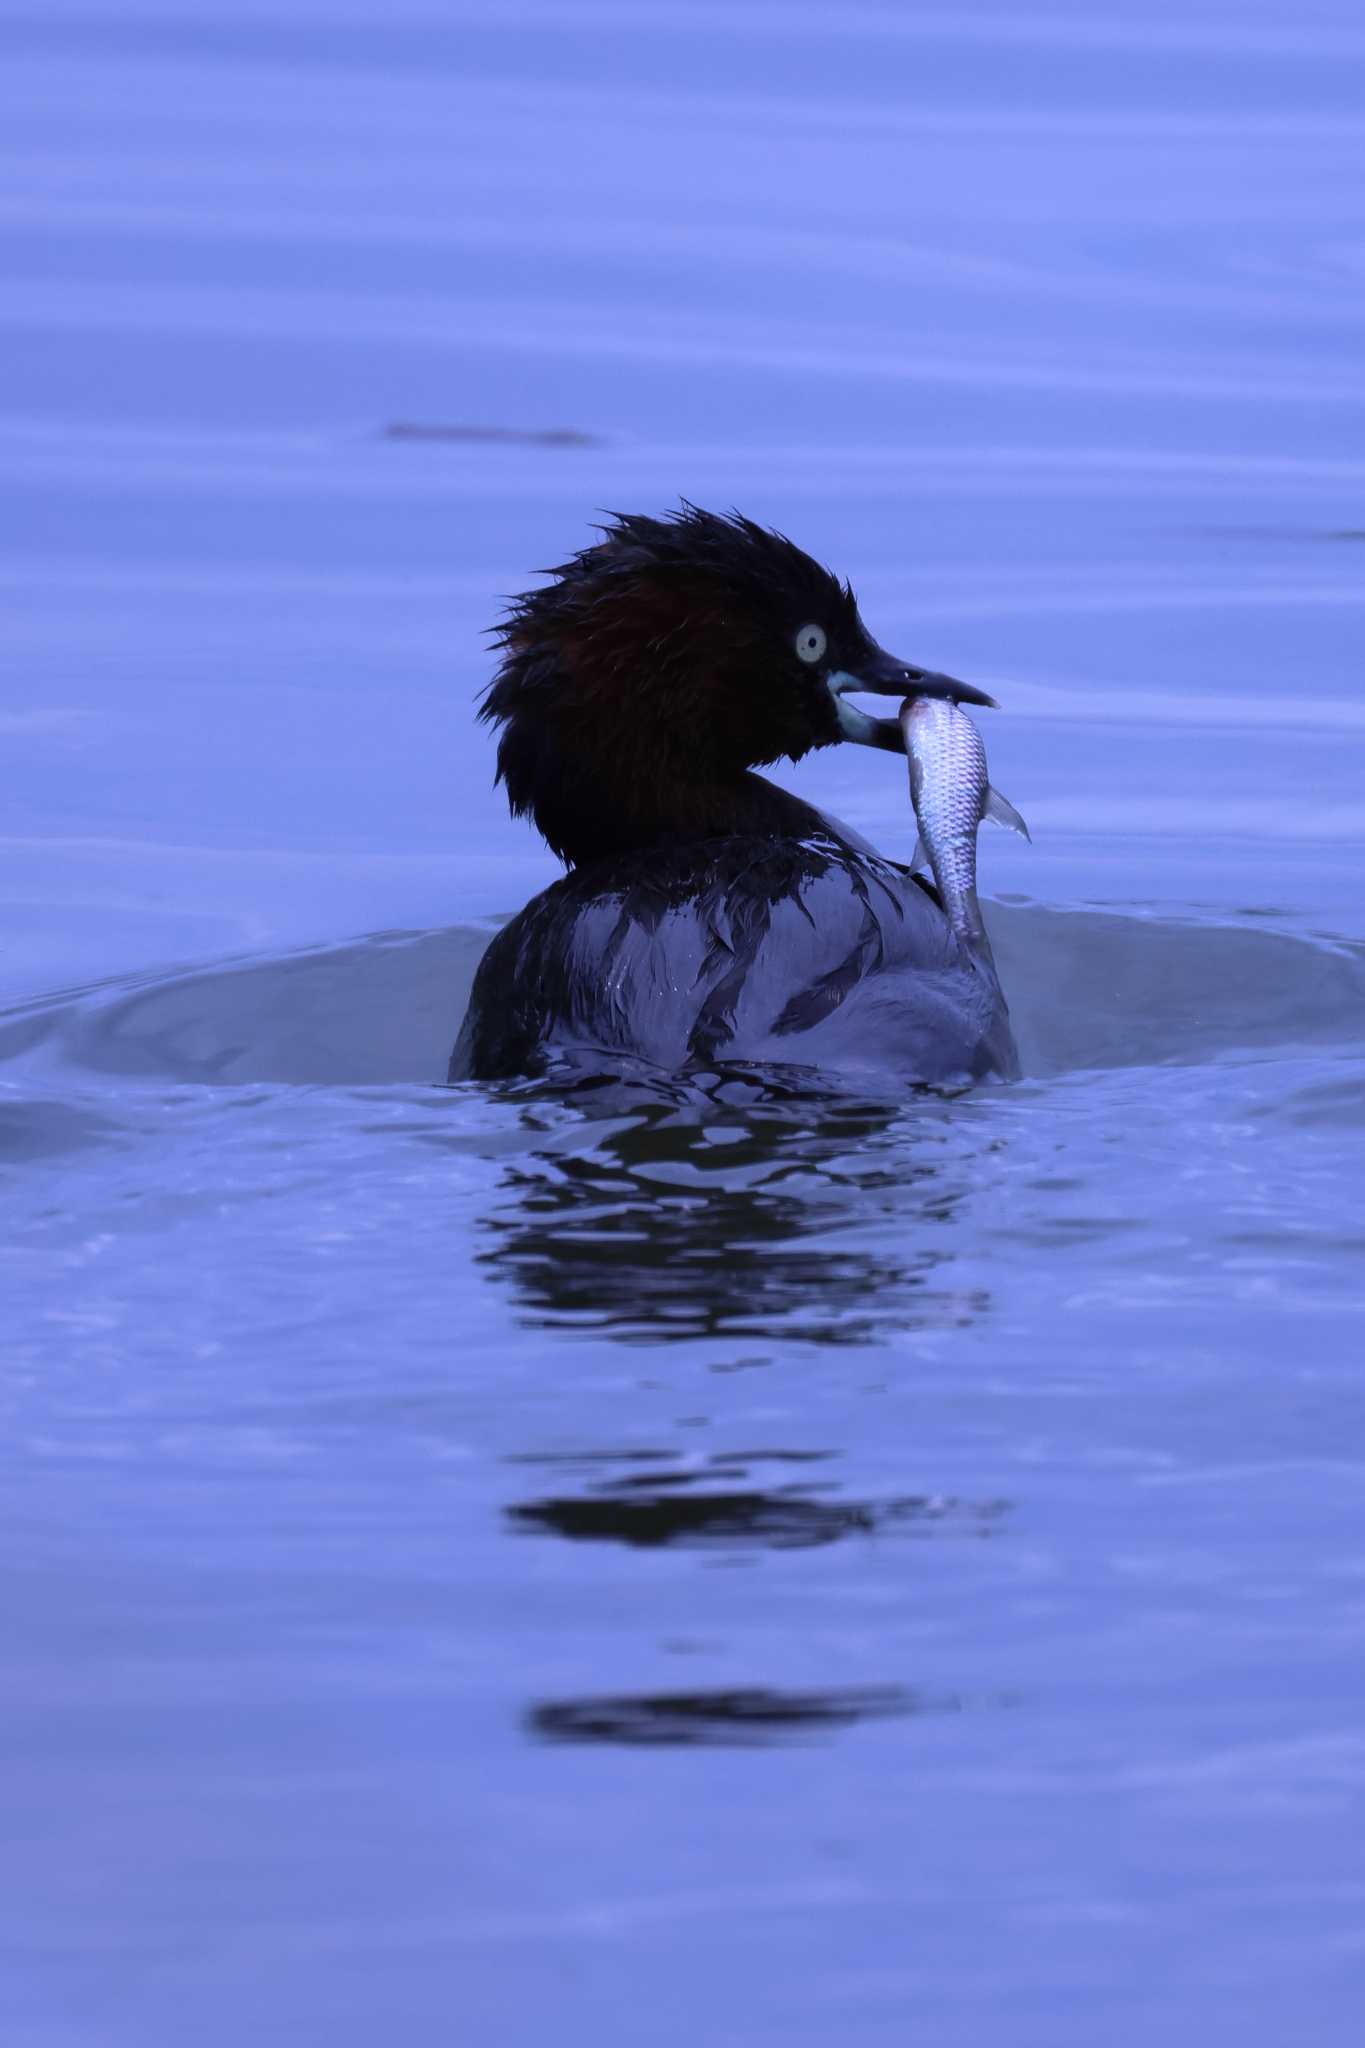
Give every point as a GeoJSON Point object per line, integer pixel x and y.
{"type": "Point", "coordinates": [485, 1568]}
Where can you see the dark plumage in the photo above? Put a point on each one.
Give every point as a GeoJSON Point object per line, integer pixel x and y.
{"type": "Point", "coordinates": [637, 689]}
{"type": "Point", "coordinates": [710, 916]}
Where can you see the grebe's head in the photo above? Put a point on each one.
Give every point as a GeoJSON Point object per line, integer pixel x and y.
{"type": "Point", "coordinates": [638, 688]}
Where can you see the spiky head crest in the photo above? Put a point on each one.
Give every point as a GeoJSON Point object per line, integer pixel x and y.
{"type": "Point", "coordinates": [659, 666]}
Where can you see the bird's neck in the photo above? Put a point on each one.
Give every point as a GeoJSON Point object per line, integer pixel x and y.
{"type": "Point", "coordinates": [589, 812]}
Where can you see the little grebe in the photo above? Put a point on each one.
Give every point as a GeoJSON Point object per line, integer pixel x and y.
{"type": "Point", "coordinates": [710, 918]}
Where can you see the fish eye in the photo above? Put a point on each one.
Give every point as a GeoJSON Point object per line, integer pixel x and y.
{"type": "Point", "coordinates": [810, 643]}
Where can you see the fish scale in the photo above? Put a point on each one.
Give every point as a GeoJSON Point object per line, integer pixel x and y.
{"type": "Point", "coordinates": [951, 792]}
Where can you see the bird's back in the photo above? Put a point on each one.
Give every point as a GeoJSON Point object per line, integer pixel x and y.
{"type": "Point", "coordinates": [793, 953]}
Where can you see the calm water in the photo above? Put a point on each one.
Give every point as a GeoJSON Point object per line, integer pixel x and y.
{"type": "Point", "coordinates": [731, 1572]}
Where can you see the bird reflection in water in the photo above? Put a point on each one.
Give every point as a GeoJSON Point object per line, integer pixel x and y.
{"type": "Point", "coordinates": [730, 1502]}
{"type": "Point", "coordinates": [734, 1209]}
{"type": "Point", "coordinates": [745, 1716]}
{"type": "Point", "coordinates": [740, 1211]}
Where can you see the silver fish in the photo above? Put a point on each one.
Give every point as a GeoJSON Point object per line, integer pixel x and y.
{"type": "Point", "coordinates": [951, 792]}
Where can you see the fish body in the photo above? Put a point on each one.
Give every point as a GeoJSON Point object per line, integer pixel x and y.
{"type": "Point", "coordinates": [951, 791]}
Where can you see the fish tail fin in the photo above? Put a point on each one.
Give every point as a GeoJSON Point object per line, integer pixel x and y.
{"type": "Point", "coordinates": [1004, 813]}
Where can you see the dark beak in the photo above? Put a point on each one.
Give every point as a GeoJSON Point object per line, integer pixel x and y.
{"type": "Point", "coordinates": [887, 677]}
{"type": "Point", "coordinates": [884, 676]}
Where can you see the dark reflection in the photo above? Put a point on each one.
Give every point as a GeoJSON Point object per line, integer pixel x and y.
{"type": "Point", "coordinates": [748, 1715]}
{"type": "Point", "coordinates": [743, 1214]}
{"type": "Point", "coordinates": [686, 1508]}
{"type": "Point", "coordinates": [764, 1520]}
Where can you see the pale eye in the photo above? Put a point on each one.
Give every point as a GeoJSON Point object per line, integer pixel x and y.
{"type": "Point", "coordinates": [810, 643]}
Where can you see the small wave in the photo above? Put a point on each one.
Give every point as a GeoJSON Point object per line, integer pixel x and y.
{"type": "Point", "coordinates": [1092, 988]}
{"type": "Point", "coordinates": [1087, 988]}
